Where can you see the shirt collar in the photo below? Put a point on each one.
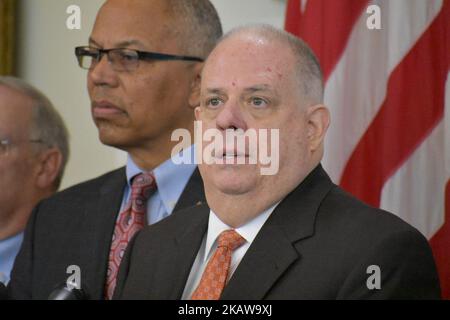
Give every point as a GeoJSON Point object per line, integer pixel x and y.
{"type": "Point", "coordinates": [248, 231]}
{"type": "Point", "coordinates": [9, 248]}
{"type": "Point", "coordinates": [11, 241]}
{"type": "Point", "coordinates": [171, 178]}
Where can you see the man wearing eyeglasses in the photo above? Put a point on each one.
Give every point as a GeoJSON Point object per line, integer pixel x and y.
{"type": "Point", "coordinates": [33, 153]}
{"type": "Point", "coordinates": [143, 64]}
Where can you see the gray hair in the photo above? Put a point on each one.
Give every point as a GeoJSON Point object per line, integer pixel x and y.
{"type": "Point", "coordinates": [307, 68]}
{"type": "Point", "coordinates": [47, 124]}
{"type": "Point", "coordinates": [199, 25]}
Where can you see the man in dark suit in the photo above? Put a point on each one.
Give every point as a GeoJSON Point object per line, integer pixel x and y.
{"type": "Point", "coordinates": [144, 60]}
{"type": "Point", "coordinates": [289, 235]}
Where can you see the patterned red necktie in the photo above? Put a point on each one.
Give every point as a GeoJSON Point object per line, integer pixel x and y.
{"type": "Point", "coordinates": [216, 273]}
{"type": "Point", "coordinates": [130, 221]}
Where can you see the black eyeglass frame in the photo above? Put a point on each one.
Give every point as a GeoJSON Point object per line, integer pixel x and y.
{"type": "Point", "coordinates": [142, 55]}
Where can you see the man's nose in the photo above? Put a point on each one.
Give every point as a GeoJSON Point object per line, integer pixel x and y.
{"type": "Point", "coordinates": [231, 117]}
{"type": "Point", "coordinates": [102, 72]}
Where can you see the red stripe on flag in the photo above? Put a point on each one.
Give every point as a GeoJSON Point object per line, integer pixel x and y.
{"type": "Point", "coordinates": [413, 107]}
{"type": "Point", "coordinates": [440, 244]}
{"type": "Point", "coordinates": [293, 16]}
{"type": "Point", "coordinates": [326, 26]}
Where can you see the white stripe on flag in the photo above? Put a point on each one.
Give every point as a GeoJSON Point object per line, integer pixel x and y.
{"type": "Point", "coordinates": [416, 191]}
{"type": "Point", "coordinates": [357, 87]}
{"type": "Point", "coordinates": [303, 5]}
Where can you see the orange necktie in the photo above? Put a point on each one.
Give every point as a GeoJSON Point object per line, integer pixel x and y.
{"type": "Point", "coordinates": [215, 275]}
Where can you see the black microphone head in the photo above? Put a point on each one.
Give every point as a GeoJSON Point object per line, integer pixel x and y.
{"type": "Point", "coordinates": [65, 292]}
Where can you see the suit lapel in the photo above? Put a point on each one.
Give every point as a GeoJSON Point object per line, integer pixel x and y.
{"type": "Point", "coordinates": [100, 219]}
{"type": "Point", "coordinates": [273, 251]}
{"type": "Point", "coordinates": [104, 214]}
{"type": "Point", "coordinates": [266, 260]}
{"type": "Point", "coordinates": [187, 243]}
{"type": "Point", "coordinates": [193, 194]}
{"type": "Point", "coordinates": [189, 233]}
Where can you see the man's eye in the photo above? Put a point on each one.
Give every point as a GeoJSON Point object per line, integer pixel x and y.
{"type": "Point", "coordinates": [258, 102]}
{"type": "Point", "coordinates": [126, 56]}
{"type": "Point", "coordinates": [213, 102]}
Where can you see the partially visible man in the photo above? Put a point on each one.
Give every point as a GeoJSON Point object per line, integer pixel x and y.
{"type": "Point", "coordinates": [144, 59]}
{"type": "Point", "coordinates": [34, 150]}
{"type": "Point", "coordinates": [292, 235]}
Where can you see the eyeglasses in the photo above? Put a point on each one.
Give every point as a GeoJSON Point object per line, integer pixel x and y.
{"type": "Point", "coordinates": [123, 59]}
{"type": "Point", "coordinates": [6, 144]}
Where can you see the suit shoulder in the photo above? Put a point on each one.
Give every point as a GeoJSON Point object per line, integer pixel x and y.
{"type": "Point", "coordinates": [353, 216]}
{"type": "Point", "coordinates": [68, 200]}
{"type": "Point", "coordinates": [91, 185]}
{"type": "Point", "coordinates": [95, 183]}
{"type": "Point", "coordinates": [176, 223]}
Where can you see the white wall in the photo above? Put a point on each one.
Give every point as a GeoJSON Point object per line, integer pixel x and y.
{"type": "Point", "coordinates": [46, 60]}
{"type": "Point", "coordinates": [238, 12]}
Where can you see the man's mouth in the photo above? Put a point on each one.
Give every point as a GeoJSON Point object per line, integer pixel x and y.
{"type": "Point", "coordinates": [231, 155]}
{"type": "Point", "coordinates": [105, 109]}
{"type": "Point", "coordinates": [233, 151]}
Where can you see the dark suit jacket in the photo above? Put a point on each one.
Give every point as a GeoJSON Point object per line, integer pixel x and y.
{"type": "Point", "coordinates": [74, 227]}
{"type": "Point", "coordinates": [317, 244]}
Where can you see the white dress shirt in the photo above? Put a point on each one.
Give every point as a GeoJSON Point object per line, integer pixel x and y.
{"type": "Point", "coordinates": [209, 245]}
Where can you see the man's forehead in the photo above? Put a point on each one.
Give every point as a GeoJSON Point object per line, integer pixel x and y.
{"type": "Point", "coordinates": [131, 23]}
{"type": "Point", "coordinates": [15, 108]}
{"type": "Point", "coordinates": [246, 70]}
{"type": "Point", "coordinates": [249, 42]}
{"type": "Point", "coordinates": [250, 53]}
{"type": "Point", "coordinates": [118, 43]}
{"type": "Point", "coordinates": [13, 95]}
{"type": "Point", "coordinates": [242, 89]}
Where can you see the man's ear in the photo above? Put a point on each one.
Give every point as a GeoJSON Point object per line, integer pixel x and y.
{"type": "Point", "coordinates": [194, 98]}
{"type": "Point", "coordinates": [318, 119]}
{"type": "Point", "coordinates": [50, 161]}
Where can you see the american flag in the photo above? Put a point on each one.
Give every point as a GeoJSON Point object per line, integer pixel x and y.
{"type": "Point", "coordinates": [388, 91]}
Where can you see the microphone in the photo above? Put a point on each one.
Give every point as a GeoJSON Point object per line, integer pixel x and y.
{"type": "Point", "coordinates": [67, 291]}
{"type": "Point", "coordinates": [3, 292]}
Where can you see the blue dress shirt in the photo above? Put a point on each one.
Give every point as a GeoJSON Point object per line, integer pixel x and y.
{"type": "Point", "coordinates": [171, 179]}
{"type": "Point", "coordinates": [8, 250]}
